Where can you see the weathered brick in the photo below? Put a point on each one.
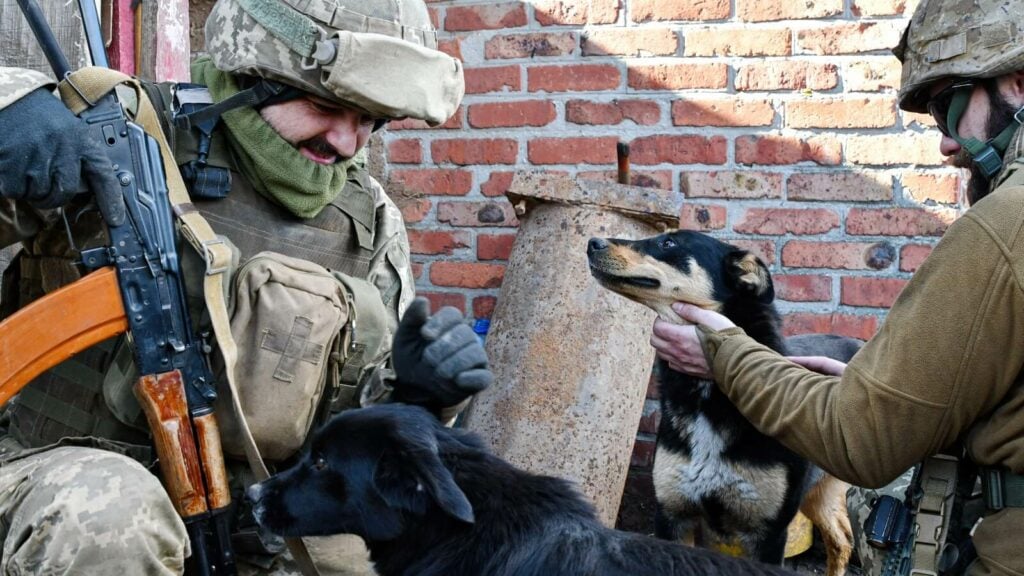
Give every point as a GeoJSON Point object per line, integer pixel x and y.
{"type": "Point", "coordinates": [435, 181]}
{"type": "Point", "coordinates": [660, 179]}
{"type": "Point", "coordinates": [861, 186]}
{"type": "Point", "coordinates": [740, 184]}
{"type": "Point", "coordinates": [494, 246]}
{"type": "Point", "coordinates": [895, 149]}
{"type": "Point", "coordinates": [763, 10]}
{"type": "Point", "coordinates": [485, 17]}
{"type": "Point", "coordinates": [467, 274]}
{"type": "Point", "coordinates": [861, 8]}
{"type": "Point", "coordinates": [677, 76]}
{"type": "Point", "coordinates": [417, 270]}
{"type": "Point", "coordinates": [914, 119]}
{"type": "Point", "coordinates": [530, 45]}
{"type": "Point", "coordinates": [778, 221]}
{"type": "Point", "coordinates": [643, 453]}
{"type": "Point", "coordinates": [451, 47]}
{"type": "Point", "coordinates": [931, 188]}
{"type": "Point", "coordinates": [803, 287]}
{"type": "Point", "coordinates": [413, 209]}
{"type": "Point", "coordinates": [728, 112]}
{"type": "Point", "coordinates": [660, 10]}
{"type": "Point", "coordinates": [574, 12]}
{"type": "Point", "coordinates": [678, 149]}
{"type": "Point", "coordinates": [850, 37]}
{"type": "Point", "coordinates": [702, 217]}
{"type": "Point", "coordinates": [786, 75]}
{"type": "Point", "coordinates": [483, 306]}
{"type": "Point", "coordinates": [464, 151]}
{"type": "Point", "coordinates": [453, 123]}
{"type": "Point", "coordinates": [634, 42]}
{"type": "Point", "coordinates": [650, 418]}
{"type": "Point", "coordinates": [439, 300]}
{"type": "Point", "coordinates": [870, 292]}
{"type": "Point", "coordinates": [852, 325]}
{"type": "Point", "coordinates": [898, 221]}
{"type": "Point", "coordinates": [738, 41]}
{"type": "Point", "coordinates": [912, 255]}
{"type": "Point", "coordinates": [863, 112]}
{"type": "Point", "coordinates": [492, 79]}
{"type": "Point", "coordinates": [641, 112]}
{"type": "Point", "coordinates": [599, 150]}
{"type": "Point", "coordinates": [872, 74]}
{"type": "Point", "coordinates": [763, 249]}
{"type": "Point", "coordinates": [511, 114]}
{"type": "Point", "coordinates": [497, 184]}
{"type": "Point", "coordinates": [837, 255]}
{"type": "Point", "coordinates": [576, 78]}
{"type": "Point", "coordinates": [824, 150]}
{"type": "Point", "coordinates": [406, 151]}
{"type": "Point", "coordinates": [490, 213]}
{"type": "Point", "coordinates": [434, 242]}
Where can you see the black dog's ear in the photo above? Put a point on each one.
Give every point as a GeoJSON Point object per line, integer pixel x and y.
{"type": "Point", "coordinates": [749, 275]}
{"type": "Point", "coordinates": [415, 471]}
{"type": "Point", "coordinates": [440, 484]}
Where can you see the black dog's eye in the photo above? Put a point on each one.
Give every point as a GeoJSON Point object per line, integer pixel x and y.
{"type": "Point", "coordinates": [319, 463]}
{"type": "Point", "coordinates": [668, 243]}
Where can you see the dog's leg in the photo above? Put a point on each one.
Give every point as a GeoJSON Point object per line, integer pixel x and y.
{"type": "Point", "coordinates": [825, 505]}
{"type": "Point", "coordinates": [670, 527]}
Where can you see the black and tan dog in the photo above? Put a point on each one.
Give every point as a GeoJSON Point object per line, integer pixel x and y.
{"type": "Point", "coordinates": [714, 474]}
{"type": "Point", "coordinates": [432, 501]}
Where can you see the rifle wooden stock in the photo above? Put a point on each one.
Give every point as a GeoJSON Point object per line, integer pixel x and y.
{"type": "Point", "coordinates": [58, 326]}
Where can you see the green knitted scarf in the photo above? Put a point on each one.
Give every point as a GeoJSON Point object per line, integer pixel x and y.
{"type": "Point", "coordinates": [275, 168]}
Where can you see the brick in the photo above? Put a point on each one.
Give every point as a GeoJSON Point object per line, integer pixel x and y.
{"type": "Point", "coordinates": [850, 38]}
{"type": "Point", "coordinates": [895, 149]}
{"type": "Point", "coordinates": [494, 246]}
{"type": "Point", "coordinates": [492, 79]}
{"type": "Point", "coordinates": [434, 242]}
{"type": "Point", "coordinates": [872, 75]}
{"type": "Point", "coordinates": [802, 287]}
{"type": "Point", "coordinates": [475, 151]}
{"type": "Point", "coordinates": [740, 184]}
{"type": "Point", "coordinates": [574, 12]}
{"type": "Point", "coordinates": [836, 255]}
{"type": "Point", "coordinates": [861, 8]}
{"type": "Point", "coordinates": [435, 17]}
{"type": "Point", "coordinates": [929, 189]}
{"type": "Point", "coordinates": [914, 119]}
{"type": "Point", "coordinates": [728, 112]}
{"type": "Point", "coordinates": [511, 114]}
{"type": "Point", "coordinates": [854, 326]}
{"type": "Point", "coordinates": [453, 123]}
{"type": "Point", "coordinates": [497, 184]}
{"type": "Point", "coordinates": [635, 42]}
{"type": "Point", "coordinates": [439, 300]}
{"type": "Point", "coordinates": [413, 209]}
{"type": "Point", "coordinates": [764, 10]}
{"type": "Point", "coordinates": [860, 186]}
{"type": "Point", "coordinates": [451, 47]}
{"type": "Point", "coordinates": [678, 149]}
{"type": "Point", "coordinates": [677, 76]}
{"type": "Point", "coordinates": [577, 78]}
{"type": "Point", "coordinates": [660, 179]}
{"type": "Point", "coordinates": [823, 150]}
{"type": "Point", "coordinates": [743, 41]}
{"type": "Point", "coordinates": [483, 306]}
{"type": "Point", "coordinates": [417, 270]}
{"type": "Point", "coordinates": [643, 453]}
{"type": "Point", "coordinates": [898, 221]}
{"type": "Point", "coordinates": [778, 221]}
{"type": "Point", "coordinates": [865, 112]}
{"type": "Point", "coordinates": [540, 44]}
{"type": "Point", "coordinates": [485, 17]}
{"type": "Point", "coordinates": [763, 249]}
{"type": "Point", "coordinates": [641, 112]}
{"type": "Point", "coordinates": [492, 213]}
{"type": "Point", "coordinates": [786, 75]}
{"type": "Point", "coordinates": [702, 217]}
{"type": "Point", "coordinates": [870, 292]}
{"type": "Point", "coordinates": [649, 418]}
{"type": "Point", "coordinates": [661, 10]}
{"type": "Point", "coordinates": [599, 150]}
{"type": "Point", "coordinates": [467, 274]}
{"type": "Point", "coordinates": [912, 256]}
{"type": "Point", "coordinates": [435, 181]}
{"type": "Point", "coordinates": [407, 151]}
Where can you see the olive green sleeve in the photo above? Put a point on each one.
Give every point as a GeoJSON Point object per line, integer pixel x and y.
{"type": "Point", "coordinates": [948, 352]}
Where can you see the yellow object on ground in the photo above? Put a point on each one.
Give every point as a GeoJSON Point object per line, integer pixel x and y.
{"type": "Point", "coordinates": [800, 534]}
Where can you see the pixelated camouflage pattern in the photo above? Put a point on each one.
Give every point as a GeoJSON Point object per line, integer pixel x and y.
{"type": "Point", "coordinates": [17, 82]}
{"type": "Point", "coordinates": [959, 38]}
{"type": "Point", "coordinates": [858, 504]}
{"type": "Point", "coordinates": [341, 555]}
{"type": "Point", "coordinates": [74, 510]}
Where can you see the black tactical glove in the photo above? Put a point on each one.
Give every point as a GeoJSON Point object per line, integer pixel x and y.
{"type": "Point", "coordinates": [438, 360]}
{"type": "Point", "coordinates": [47, 156]}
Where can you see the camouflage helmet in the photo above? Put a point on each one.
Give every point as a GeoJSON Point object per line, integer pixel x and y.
{"type": "Point", "coordinates": [379, 56]}
{"type": "Point", "coordinates": [959, 39]}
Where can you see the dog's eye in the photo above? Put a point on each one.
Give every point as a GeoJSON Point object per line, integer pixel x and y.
{"type": "Point", "coordinates": [668, 243]}
{"type": "Point", "coordinates": [319, 463]}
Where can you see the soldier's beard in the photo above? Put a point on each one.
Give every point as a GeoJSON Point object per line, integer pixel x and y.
{"type": "Point", "coordinates": [1000, 116]}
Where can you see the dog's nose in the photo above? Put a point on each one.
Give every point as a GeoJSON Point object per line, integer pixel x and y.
{"type": "Point", "coordinates": [596, 245]}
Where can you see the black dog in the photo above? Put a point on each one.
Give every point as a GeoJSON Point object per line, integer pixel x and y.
{"type": "Point", "coordinates": [714, 474]}
{"type": "Point", "coordinates": [432, 501]}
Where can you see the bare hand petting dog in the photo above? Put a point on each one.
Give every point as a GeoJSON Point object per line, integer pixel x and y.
{"type": "Point", "coordinates": [819, 364]}
{"type": "Point", "coordinates": [679, 344]}
{"type": "Point", "coordinates": [439, 362]}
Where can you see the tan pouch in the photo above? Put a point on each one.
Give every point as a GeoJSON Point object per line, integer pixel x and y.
{"type": "Point", "coordinates": [287, 319]}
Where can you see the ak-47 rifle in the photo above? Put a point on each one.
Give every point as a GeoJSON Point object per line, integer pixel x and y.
{"type": "Point", "coordinates": [137, 286]}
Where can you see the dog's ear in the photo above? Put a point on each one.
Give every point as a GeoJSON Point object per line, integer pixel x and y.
{"type": "Point", "coordinates": [413, 472]}
{"type": "Point", "coordinates": [748, 275]}
{"type": "Point", "coordinates": [440, 484]}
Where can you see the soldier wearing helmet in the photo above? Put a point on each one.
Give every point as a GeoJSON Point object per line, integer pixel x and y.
{"type": "Point", "coordinates": [270, 138]}
{"type": "Point", "coordinates": [940, 388]}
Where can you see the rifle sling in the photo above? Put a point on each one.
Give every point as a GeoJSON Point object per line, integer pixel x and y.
{"type": "Point", "coordinates": [88, 85]}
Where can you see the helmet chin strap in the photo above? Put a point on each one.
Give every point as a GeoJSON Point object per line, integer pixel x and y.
{"type": "Point", "coordinates": [988, 156]}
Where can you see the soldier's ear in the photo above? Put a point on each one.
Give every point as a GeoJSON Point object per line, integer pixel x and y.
{"type": "Point", "coordinates": [749, 276]}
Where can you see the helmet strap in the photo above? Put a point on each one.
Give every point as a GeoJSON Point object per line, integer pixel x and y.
{"type": "Point", "coordinates": [259, 94]}
{"type": "Point", "coordinates": [988, 156]}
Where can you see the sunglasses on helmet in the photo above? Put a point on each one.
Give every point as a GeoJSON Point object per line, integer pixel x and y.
{"type": "Point", "coordinates": [938, 105]}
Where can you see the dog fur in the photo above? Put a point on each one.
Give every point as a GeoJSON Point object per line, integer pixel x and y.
{"type": "Point", "coordinates": [715, 476]}
{"type": "Point", "coordinates": [432, 501]}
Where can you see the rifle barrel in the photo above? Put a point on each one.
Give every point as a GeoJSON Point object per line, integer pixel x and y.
{"type": "Point", "coordinates": [47, 41]}
{"type": "Point", "coordinates": [93, 35]}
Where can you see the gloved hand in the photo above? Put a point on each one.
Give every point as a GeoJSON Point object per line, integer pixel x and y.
{"type": "Point", "coordinates": [47, 156]}
{"type": "Point", "coordinates": [438, 360]}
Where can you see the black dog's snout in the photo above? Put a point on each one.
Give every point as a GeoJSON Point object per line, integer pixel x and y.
{"type": "Point", "coordinates": [596, 245]}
